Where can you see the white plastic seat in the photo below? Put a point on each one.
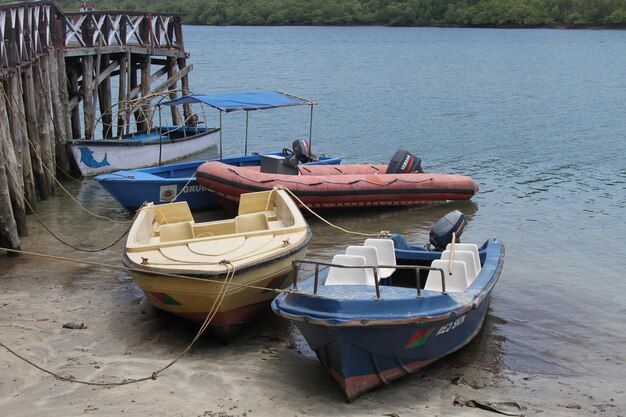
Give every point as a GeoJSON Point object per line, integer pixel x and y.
{"type": "Point", "coordinates": [371, 258]}
{"type": "Point", "coordinates": [348, 276]}
{"type": "Point", "coordinates": [386, 255]}
{"type": "Point", "coordinates": [467, 257]}
{"type": "Point", "coordinates": [457, 282]}
{"type": "Point", "coordinates": [472, 247]}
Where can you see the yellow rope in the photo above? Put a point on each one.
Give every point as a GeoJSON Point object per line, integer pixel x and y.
{"type": "Point", "coordinates": [183, 189]}
{"type": "Point", "coordinates": [230, 273]}
{"type": "Point", "coordinates": [382, 233]}
{"type": "Point", "coordinates": [54, 235]}
{"type": "Point", "coordinates": [129, 269]}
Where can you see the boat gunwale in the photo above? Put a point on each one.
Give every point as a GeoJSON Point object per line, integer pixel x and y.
{"type": "Point", "coordinates": [203, 276]}
{"type": "Point", "coordinates": [478, 298]}
{"type": "Point", "coordinates": [300, 226]}
{"type": "Point", "coordinates": [115, 142]}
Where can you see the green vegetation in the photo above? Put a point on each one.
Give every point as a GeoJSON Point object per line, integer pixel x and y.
{"type": "Point", "coordinates": [479, 13]}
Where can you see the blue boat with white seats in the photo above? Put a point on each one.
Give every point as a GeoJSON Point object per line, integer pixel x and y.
{"type": "Point", "coordinates": [389, 308]}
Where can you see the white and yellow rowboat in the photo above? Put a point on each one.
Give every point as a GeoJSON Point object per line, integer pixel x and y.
{"type": "Point", "coordinates": [223, 268]}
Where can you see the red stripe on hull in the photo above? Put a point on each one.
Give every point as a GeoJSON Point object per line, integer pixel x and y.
{"type": "Point", "coordinates": [354, 386]}
{"type": "Point", "coordinates": [227, 318]}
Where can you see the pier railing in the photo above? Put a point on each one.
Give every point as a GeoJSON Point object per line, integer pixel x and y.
{"type": "Point", "coordinates": [27, 29]}
{"type": "Point", "coordinates": [119, 29]}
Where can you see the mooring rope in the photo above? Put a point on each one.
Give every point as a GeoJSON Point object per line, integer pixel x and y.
{"type": "Point", "coordinates": [382, 233]}
{"type": "Point", "coordinates": [43, 165]}
{"type": "Point", "coordinates": [217, 303]}
{"type": "Point", "coordinates": [183, 189]}
{"type": "Point", "coordinates": [59, 239]}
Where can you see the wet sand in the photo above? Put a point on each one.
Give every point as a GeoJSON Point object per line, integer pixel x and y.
{"type": "Point", "coordinates": [266, 370]}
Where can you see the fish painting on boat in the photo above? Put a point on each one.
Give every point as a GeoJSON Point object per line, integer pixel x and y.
{"type": "Point", "coordinates": [86, 158]}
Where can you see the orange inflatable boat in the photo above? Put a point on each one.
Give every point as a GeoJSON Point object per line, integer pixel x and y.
{"type": "Point", "coordinates": [339, 186]}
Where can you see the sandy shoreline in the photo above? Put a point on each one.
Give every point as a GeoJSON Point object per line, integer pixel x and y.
{"type": "Point", "coordinates": [265, 371]}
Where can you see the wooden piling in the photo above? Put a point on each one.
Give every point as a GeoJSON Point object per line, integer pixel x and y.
{"type": "Point", "coordinates": [12, 168]}
{"type": "Point", "coordinates": [56, 71]}
{"type": "Point", "coordinates": [46, 126]}
{"type": "Point", "coordinates": [89, 112]}
{"type": "Point", "coordinates": [32, 123]}
{"type": "Point", "coordinates": [19, 133]}
{"type": "Point", "coordinates": [59, 120]}
{"type": "Point", "coordinates": [8, 228]}
{"type": "Point", "coordinates": [104, 97]}
{"type": "Point", "coordinates": [122, 97]}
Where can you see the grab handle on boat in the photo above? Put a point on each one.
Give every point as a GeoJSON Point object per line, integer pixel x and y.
{"type": "Point", "coordinates": [295, 266]}
{"type": "Point", "coordinates": [451, 261]}
{"type": "Point", "coordinates": [318, 264]}
{"type": "Point", "coordinates": [317, 276]}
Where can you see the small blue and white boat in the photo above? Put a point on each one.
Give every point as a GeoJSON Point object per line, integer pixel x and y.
{"type": "Point", "coordinates": [161, 184]}
{"type": "Point", "coordinates": [146, 142]}
{"type": "Point", "coordinates": [387, 309]}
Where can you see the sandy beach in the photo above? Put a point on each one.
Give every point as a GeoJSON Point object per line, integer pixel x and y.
{"type": "Point", "coordinates": [265, 371]}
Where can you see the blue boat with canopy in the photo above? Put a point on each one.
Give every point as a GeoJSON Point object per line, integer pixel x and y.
{"type": "Point", "coordinates": [177, 182]}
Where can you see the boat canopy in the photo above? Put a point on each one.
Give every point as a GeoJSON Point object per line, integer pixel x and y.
{"type": "Point", "coordinates": [248, 101]}
{"type": "Point", "coordinates": [252, 100]}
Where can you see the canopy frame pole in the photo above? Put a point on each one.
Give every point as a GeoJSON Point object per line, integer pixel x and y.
{"type": "Point", "coordinates": [311, 131]}
{"type": "Point", "coordinates": [220, 134]}
{"type": "Point", "coordinates": [159, 134]}
{"type": "Point", "coordinates": [245, 149]}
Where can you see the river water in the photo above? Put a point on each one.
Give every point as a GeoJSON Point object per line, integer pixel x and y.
{"type": "Point", "coordinates": [537, 117]}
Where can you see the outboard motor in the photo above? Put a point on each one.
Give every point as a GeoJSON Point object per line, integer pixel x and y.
{"type": "Point", "coordinates": [300, 153]}
{"type": "Point", "coordinates": [404, 162]}
{"type": "Point", "coordinates": [441, 232]}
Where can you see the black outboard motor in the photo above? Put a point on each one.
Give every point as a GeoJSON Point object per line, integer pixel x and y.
{"type": "Point", "coordinates": [300, 153]}
{"type": "Point", "coordinates": [404, 162]}
{"type": "Point", "coordinates": [441, 233]}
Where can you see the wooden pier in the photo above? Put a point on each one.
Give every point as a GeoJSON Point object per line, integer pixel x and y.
{"type": "Point", "coordinates": [57, 74]}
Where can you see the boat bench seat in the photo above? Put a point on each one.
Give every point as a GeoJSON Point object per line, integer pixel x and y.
{"type": "Point", "coordinates": [251, 222]}
{"type": "Point", "coordinates": [176, 231]}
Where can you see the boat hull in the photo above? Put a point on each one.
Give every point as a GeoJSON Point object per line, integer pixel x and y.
{"type": "Point", "coordinates": [94, 157]}
{"type": "Point", "coordinates": [347, 186]}
{"type": "Point", "coordinates": [131, 188]}
{"type": "Point", "coordinates": [193, 297]}
{"type": "Point", "coordinates": [361, 358]}
{"type": "Point", "coordinates": [364, 342]}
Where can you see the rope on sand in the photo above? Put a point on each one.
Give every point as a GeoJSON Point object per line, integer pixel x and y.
{"type": "Point", "coordinates": [230, 273]}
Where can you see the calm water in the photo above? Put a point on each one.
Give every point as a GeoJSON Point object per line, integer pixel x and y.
{"type": "Point", "coordinates": [537, 117]}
